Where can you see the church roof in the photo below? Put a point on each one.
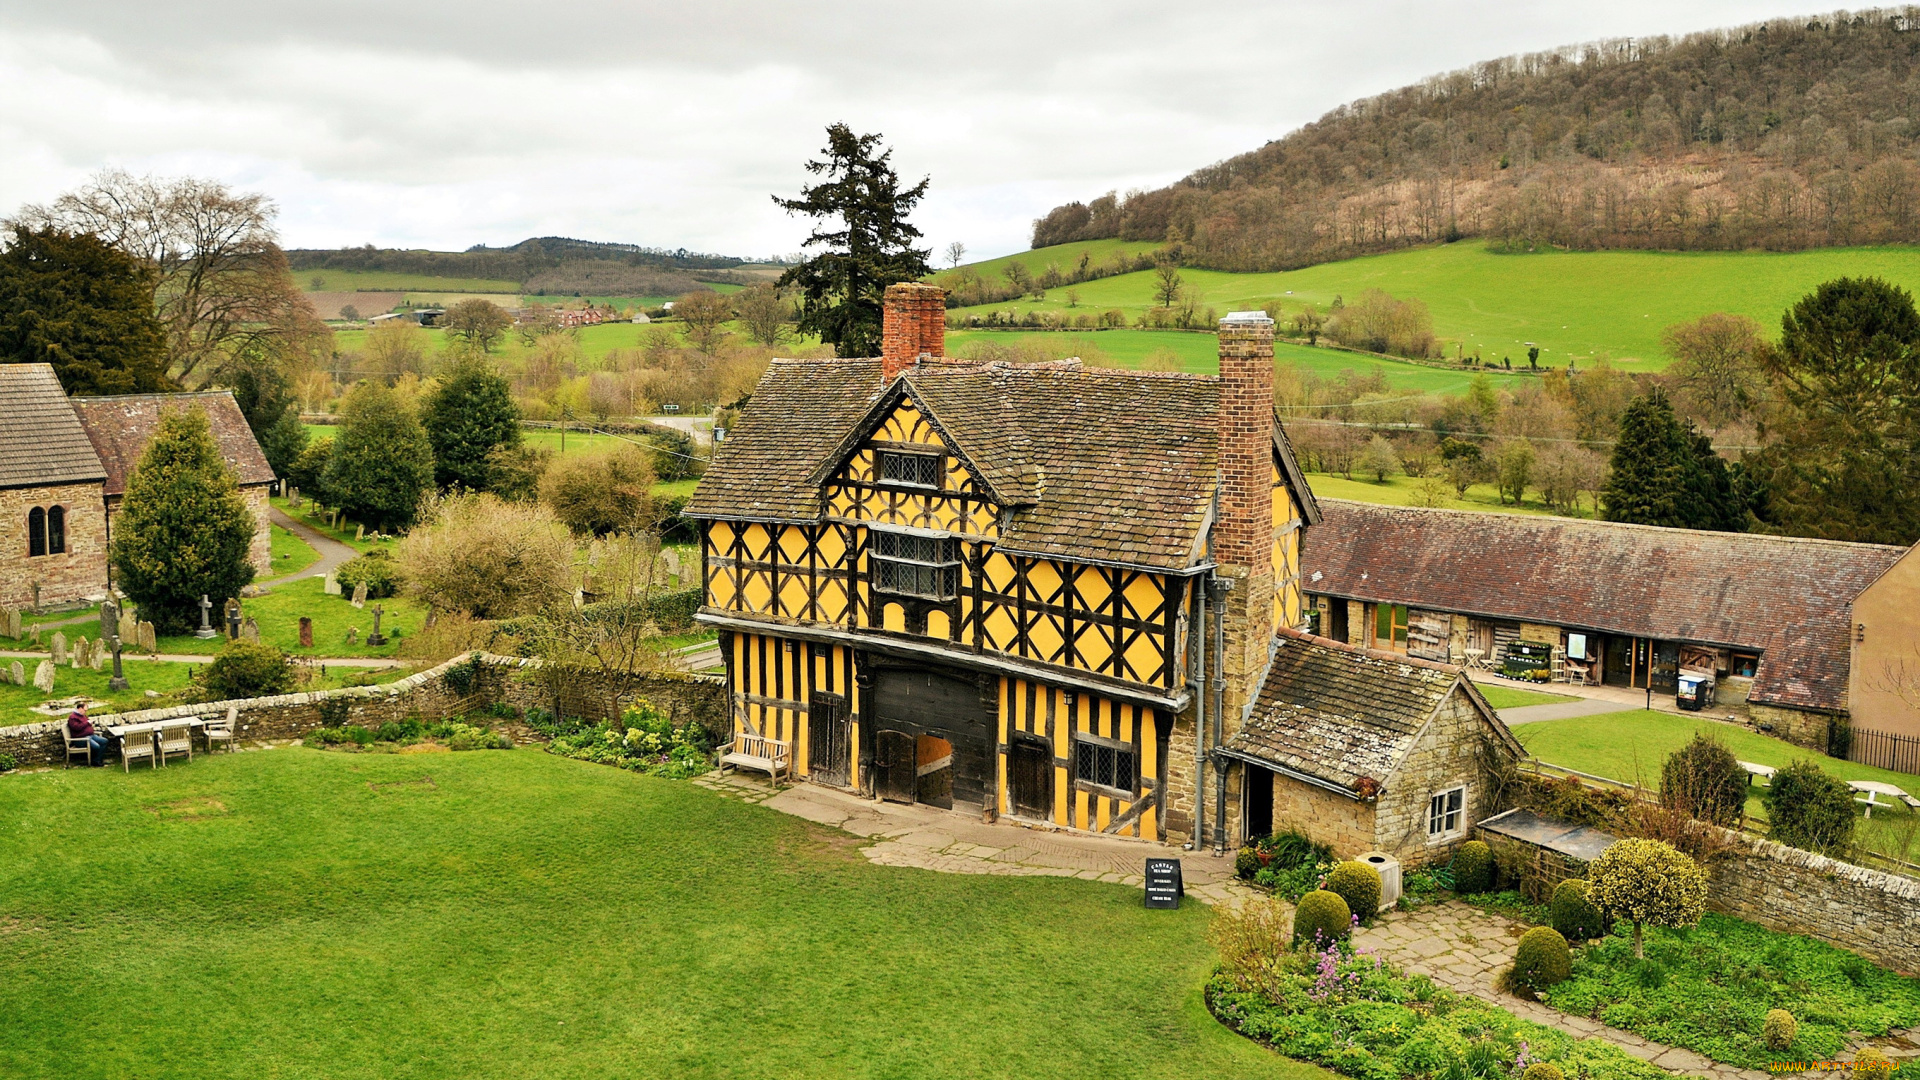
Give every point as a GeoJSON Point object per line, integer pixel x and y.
{"type": "Point", "coordinates": [41, 441]}
{"type": "Point", "coordinates": [121, 426]}
{"type": "Point", "coordinates": [1095, 464]}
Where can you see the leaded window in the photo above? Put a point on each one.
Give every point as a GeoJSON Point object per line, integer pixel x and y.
{"type": "Point", "coordinates": [1444, 813]}
{"type": "Point", "coordinates": [912, 565]}
{"type": "Point", "coordinates": [918, 470]}
{"type": "Point", "coordinates": [1105, 764]}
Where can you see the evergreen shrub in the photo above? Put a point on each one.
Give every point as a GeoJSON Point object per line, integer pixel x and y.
{"type": "Point", "coordinates": [1359, 885]}
{"type": "Point", "coordinates": [1779, 1030]}
{"type": "Point", "coordinates": [1573, 912]}
{"type": "Point", "coordinates": [245, 670]}
{"type": "Point", "coordinates": [1543, 1070]}
{"type": "Point", "coordinates": [1473, 868]}
{"type": "Point", "coordinates": [1808, 809]}
{"type": "Point", "coordinates": [1321, 916]}
{"type": "Point", "coordinates": [1541, 960]}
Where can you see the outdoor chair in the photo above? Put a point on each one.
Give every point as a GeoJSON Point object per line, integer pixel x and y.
{"type": "Point", "coordinates": [176, 739]}
{"type": "Point", "coordinates": [136, 744]}
{"type": "Point", "coordinates": [78, 745]}
{"type": "Point", "coordinates": [220, 730]}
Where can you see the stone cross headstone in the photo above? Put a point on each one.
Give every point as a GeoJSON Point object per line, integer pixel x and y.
{"type": "Point", "coordinates": [250, 631]}
{"type": "Point", "coordinates": [332, 584]}
{"type": "Point", "coordinates": [59, 648]}
{"type": "Point", "coordinates": [306, 632]}
{"type": "Point", "coordinates": [19, 674]}
{"type": "Point", "coordinates": [206, 619]}
{"type": "Point", "coordinates": [376, 638]}
{"type": "Point", "coordinates": [43, 677]}
{"type": "Point", "coordinates": [233, 618]}
{"type": "Point", "coordinates": [149, 640]}
{"type": "Point", "coordinates": [360, 594]}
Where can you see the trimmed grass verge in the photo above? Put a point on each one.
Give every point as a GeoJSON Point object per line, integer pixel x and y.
{"type": "Point", "coordinates": [1502, 696]}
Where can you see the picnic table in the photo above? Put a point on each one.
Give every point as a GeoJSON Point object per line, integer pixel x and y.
{"type": "Point", "coordinates": [1874, 787]}
{"type": "Point", "coordinates": [1764, 772]}
{"type": "Point", "coordinates": [121, 731]}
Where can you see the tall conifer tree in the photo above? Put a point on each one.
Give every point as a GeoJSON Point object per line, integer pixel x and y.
{"type": "Point", "coordinates": [73, 301]}
{"type": "Point", "coordinates": [1665, 473]}
{"type": "Point", "coordinates": [469, 416]}
{"type": "Point", "coordinates": [182, 529]}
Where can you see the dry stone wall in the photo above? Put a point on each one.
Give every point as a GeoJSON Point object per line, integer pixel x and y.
{"type": "Point", "coordinates": [1873, 913]}
{"type": "Point", "coordinates": [428, 695]}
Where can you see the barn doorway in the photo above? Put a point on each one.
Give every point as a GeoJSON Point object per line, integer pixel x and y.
{"type": "Point", "coordinates": [895, 770]}
{"type": "Point", "coordinates": [935, 737]}
{"type": "Point", "coordinates": [933, 771]}
{"type": "Point", "coordinates": [1030, 778]}
{"type": "Point", "coordinates": [1259, 795]}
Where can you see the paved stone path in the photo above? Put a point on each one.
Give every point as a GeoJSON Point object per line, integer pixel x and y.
{"type": "Point", "coordinates": [332, 552]}
{"type": "Point", "coordinates": [955, 842]}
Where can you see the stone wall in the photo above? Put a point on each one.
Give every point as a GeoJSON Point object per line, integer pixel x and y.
{"type": "Point", "coordinates": [681, 697]}
{"type": "Point", "coordinates": [1451, 752]}
{"type": "Point", "coordinates": [78, 574]}
{"type": "Point", "coordinates": [1347, 825]}
{"type": "Point", "coordinates": [425, 695]}
{"type": "Point", "coordinates": [1873, 913]}
{"type": "Point", "coordinates": [1797, 726]}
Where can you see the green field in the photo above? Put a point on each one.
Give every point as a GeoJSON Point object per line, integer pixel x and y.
{"type": "Point", "coordinates": [1582, 305]}
{"type": "Point", "coordinates": [300, 913]}
{"type": "Point", "coordinates": [1507, 697]}
{"type": "Point", "coordinates": [384, 281]}
{"type": "Point", "coordinates": [1398, 491]}
{"type": "Point", "coordinates": [596, 341]}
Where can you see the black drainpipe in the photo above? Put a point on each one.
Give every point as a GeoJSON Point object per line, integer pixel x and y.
{"type": "Point", "coordinates": [1219, 591]}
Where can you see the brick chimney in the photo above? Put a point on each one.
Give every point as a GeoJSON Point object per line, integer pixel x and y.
{"type": "Point", "coordinates": [1243, 536]}
{"type": "Point", "coordinates": [913, 324]}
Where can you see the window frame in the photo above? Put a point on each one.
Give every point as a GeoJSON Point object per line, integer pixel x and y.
{"type": "Point", "coordinates": [36, 533]}
{"type": "Point", "coordinates": [923, 459]}
{"type": "Point", "coordinates": [56, 530]}
{"type": "Point", "coordinates": [944, 571]}
{"type": "Point", "coordinates": [1438, 812]}
{"type": "Point", "coordinates": [1095, 746]}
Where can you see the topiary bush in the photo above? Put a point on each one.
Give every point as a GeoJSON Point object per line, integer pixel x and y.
{"type": "Point", "coordinates": [1359, 885]}
{"type": "Point", "coordinates": [1779, 1030]}
{"type": "Point", "coordinates": [1808, 809]}
{"type": "Point", "coordinates": [375, 569]}
{"type": "Point", "coordinates": [1573, 913]}
{"type": "Point", "coordinates": [1541, 960]}
{"type": "Point", "coordinates": [1871, 1059]}
{"type": "Point", "coordinates": [8, 763]}
{"type": "Point", "coordinates": [1473, 868]}
{"type": "Point", "coordinates": [246, 670]}
{"type": "Point", "coordinates": [1647, 881]}
{"type": "Point", "coordinates": [1321, 916]}
{"type": "Point", "coordinates": [1704, 780]}
{"type": "Point", "coordinates": [1543, 1070]}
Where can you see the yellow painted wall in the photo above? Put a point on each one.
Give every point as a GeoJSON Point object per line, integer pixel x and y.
{"type": "Point", "coordinates": [1288, 604]}
{"type": "Point", "coordinates": [1048, 713]}
{"type": "Point", "coordinates": [774, 680]}
{"type": "Point", "coordinates": [1883, 691]}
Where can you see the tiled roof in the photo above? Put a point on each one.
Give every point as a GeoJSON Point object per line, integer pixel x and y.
{"type": "Point", "coordinates": [122, 426]}
{"type": "Point", "coordinates": [40, 440]}
{"type": "Point", "coordinates": [1337, 712]}
{"type": "Point", "coordinates": [1092, 463]}
{"type": "Point", "coordinates": [1788, 596]}
{"type": "Point", "coordinates": [801, 412]}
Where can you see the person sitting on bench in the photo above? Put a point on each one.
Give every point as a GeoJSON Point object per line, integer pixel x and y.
{"type": "Point", "coordinates": [79, 727]}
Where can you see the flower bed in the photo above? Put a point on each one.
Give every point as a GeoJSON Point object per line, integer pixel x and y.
{"type": "Point", "coordinates": [1354, 1014]}
{"type": "Point", "coordinates": [642, 741]}
{"type": "Point", "coordinates": [1708, 988]}
{"type": "Point", "coordinates": [395, 735]}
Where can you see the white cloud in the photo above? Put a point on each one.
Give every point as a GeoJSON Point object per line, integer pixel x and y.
{"type": "Point", "coordinates": [443, 125]}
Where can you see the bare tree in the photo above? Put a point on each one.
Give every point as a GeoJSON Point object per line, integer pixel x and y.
{"type": "Point", "coordinates": [763, 313]}
{"type": "Point", "coordinates": [703, 312]}
{"type": "Point", "coordinates": [221, 279]}
{"type": "Point", "coordinates": [479, 323]}
{"type": "Point", "coordinates": [1166, 282]}
{"type": "Point", "coordinates": [1718, 375]}
{"type": "Point", "coordinates": [956, 251]}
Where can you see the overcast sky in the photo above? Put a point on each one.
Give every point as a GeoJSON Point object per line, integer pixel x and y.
{"type": "Point", "coordinates": [445, 125]}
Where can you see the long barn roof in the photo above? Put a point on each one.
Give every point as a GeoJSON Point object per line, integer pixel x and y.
{"type": "Point", "coordinates": [1091, 463]}
{"type": "Point", "coordinates": [1786, 596]}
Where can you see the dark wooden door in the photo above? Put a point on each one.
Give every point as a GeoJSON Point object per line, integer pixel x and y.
{"type": "Point", "coordinates": [1259, 802]}
{"type": "Point", "coordinates": [948, 706]}
{"type": "Point", "coordinates": [895, 772]}
{"type": "Point", "coordinates": [1030, 779]}
{"type": "Point", "coordinates": [827, 751]}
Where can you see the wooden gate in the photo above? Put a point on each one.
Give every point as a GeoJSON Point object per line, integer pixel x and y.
{"type": "Point", "coordinates": [1030, 778]}
{"type": "Point", "coordinates": [827, 752]}
{"type": "Point", "coordinates": [895, 772]}
{"type": "Point", "coordinates": [948, 707]}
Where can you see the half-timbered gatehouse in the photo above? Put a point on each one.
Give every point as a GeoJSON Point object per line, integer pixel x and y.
{"type": "Point", "coordinates": [1043, 591]}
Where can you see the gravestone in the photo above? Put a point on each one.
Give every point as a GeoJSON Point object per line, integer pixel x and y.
{"type": "Point", "coordinates": [149, 640]}
{"type": "Point", "coordinates": [129, 624]}
{"type": "Point", "coordinates": [306, 632]}
{"type": "Point", "coordinates": [13, 623]}
{"type": "Point", "coordinates": [43, 677]}
{"type": "Point", "coordinates": [34, 635]}
{"type": "Point", "coordinates": [332, 584]}
{"type": "Point", "coordinates": [353, 634]}
{"type": "Point", "coordinates": [1164, 886]}
{"type": "Point", "coordinates": [232, 611]}
{"type": "Point", "coordinates": [206, 620]}
{"type": "Point", "coordinates": [579, 598]}
{"type": "Point", "coordinates": [19, 674]}
{"type": "Point", "coordinates": [359, 532]}
{"type": "Point", "coordinates": [250, 631]}
{"type": "Point", "coordinates": [377, 639]}
{"type": "Point", "coordinates": [671, 560]}
{"type": "Point", "coordinates": [77, 655]}
{"type": "Point", "coordinates": [59, 648]}
{"type": "Point", "coordinates": [359, 594]}
{"type": "Point", "coordinates": [100, 656]}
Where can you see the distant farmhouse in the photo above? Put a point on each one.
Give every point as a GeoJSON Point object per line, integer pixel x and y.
{"type": "Point", "coordinates": [64, 463]}
{"type": "Point", "coordinates": [1066, 596]}
{"type": "Point", "coordinates": [1773, 617]}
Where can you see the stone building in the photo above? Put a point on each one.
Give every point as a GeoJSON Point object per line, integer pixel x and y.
{"type": "Point", "coordinates": [1618, 604]}
{"type": "Point", "coordinates": [64, 464]}
{"type": "Point", "coordinates": [1369, 751]}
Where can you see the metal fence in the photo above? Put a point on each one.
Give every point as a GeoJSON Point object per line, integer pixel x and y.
{"type": "Point", "coordinates": [1885, 750]}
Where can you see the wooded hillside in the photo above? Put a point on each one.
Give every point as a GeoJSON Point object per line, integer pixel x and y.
{"type": "Point", "coordinates": [551, 264]}
{"type": "Point", "coordinates": [1783, 135]}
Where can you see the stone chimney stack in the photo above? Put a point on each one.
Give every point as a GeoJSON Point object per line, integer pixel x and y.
{"type": "Point", "coordinates": [914, 324]}
{"type": "Point", "coordinates": [1243, 535]}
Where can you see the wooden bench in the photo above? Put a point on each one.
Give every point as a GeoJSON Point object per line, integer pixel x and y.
{"type": "Point", "coordinates": [751, 751]}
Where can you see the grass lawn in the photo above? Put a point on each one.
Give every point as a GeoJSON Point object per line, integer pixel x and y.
{"type": "Point", "coordinates": [300, 913]}
{"type": "Point", "coordinates": [1630, 746]}
{"type": "Point", "coordinates": [279, 612]}
{"type": "Point", "coordinates": [1398, 491]}
{"type": "Point", "coordinates": [1501, 696]}
{"type": "Point", "coordinates": [290, 553]}
{"type": "Point", "coordinates": [319, 522]}
{"type": "Point", "coordinates": [17, 702]}
{"type": "Point", "coordinates": [1583, 305]}
{"type": "Point", "coordinates": [385, 281]}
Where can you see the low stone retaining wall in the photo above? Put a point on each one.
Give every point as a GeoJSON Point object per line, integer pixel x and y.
{"type": "Point", "coordinates": [427, 695]}
{"type": "Point", "coordinates": [1871, 912]}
